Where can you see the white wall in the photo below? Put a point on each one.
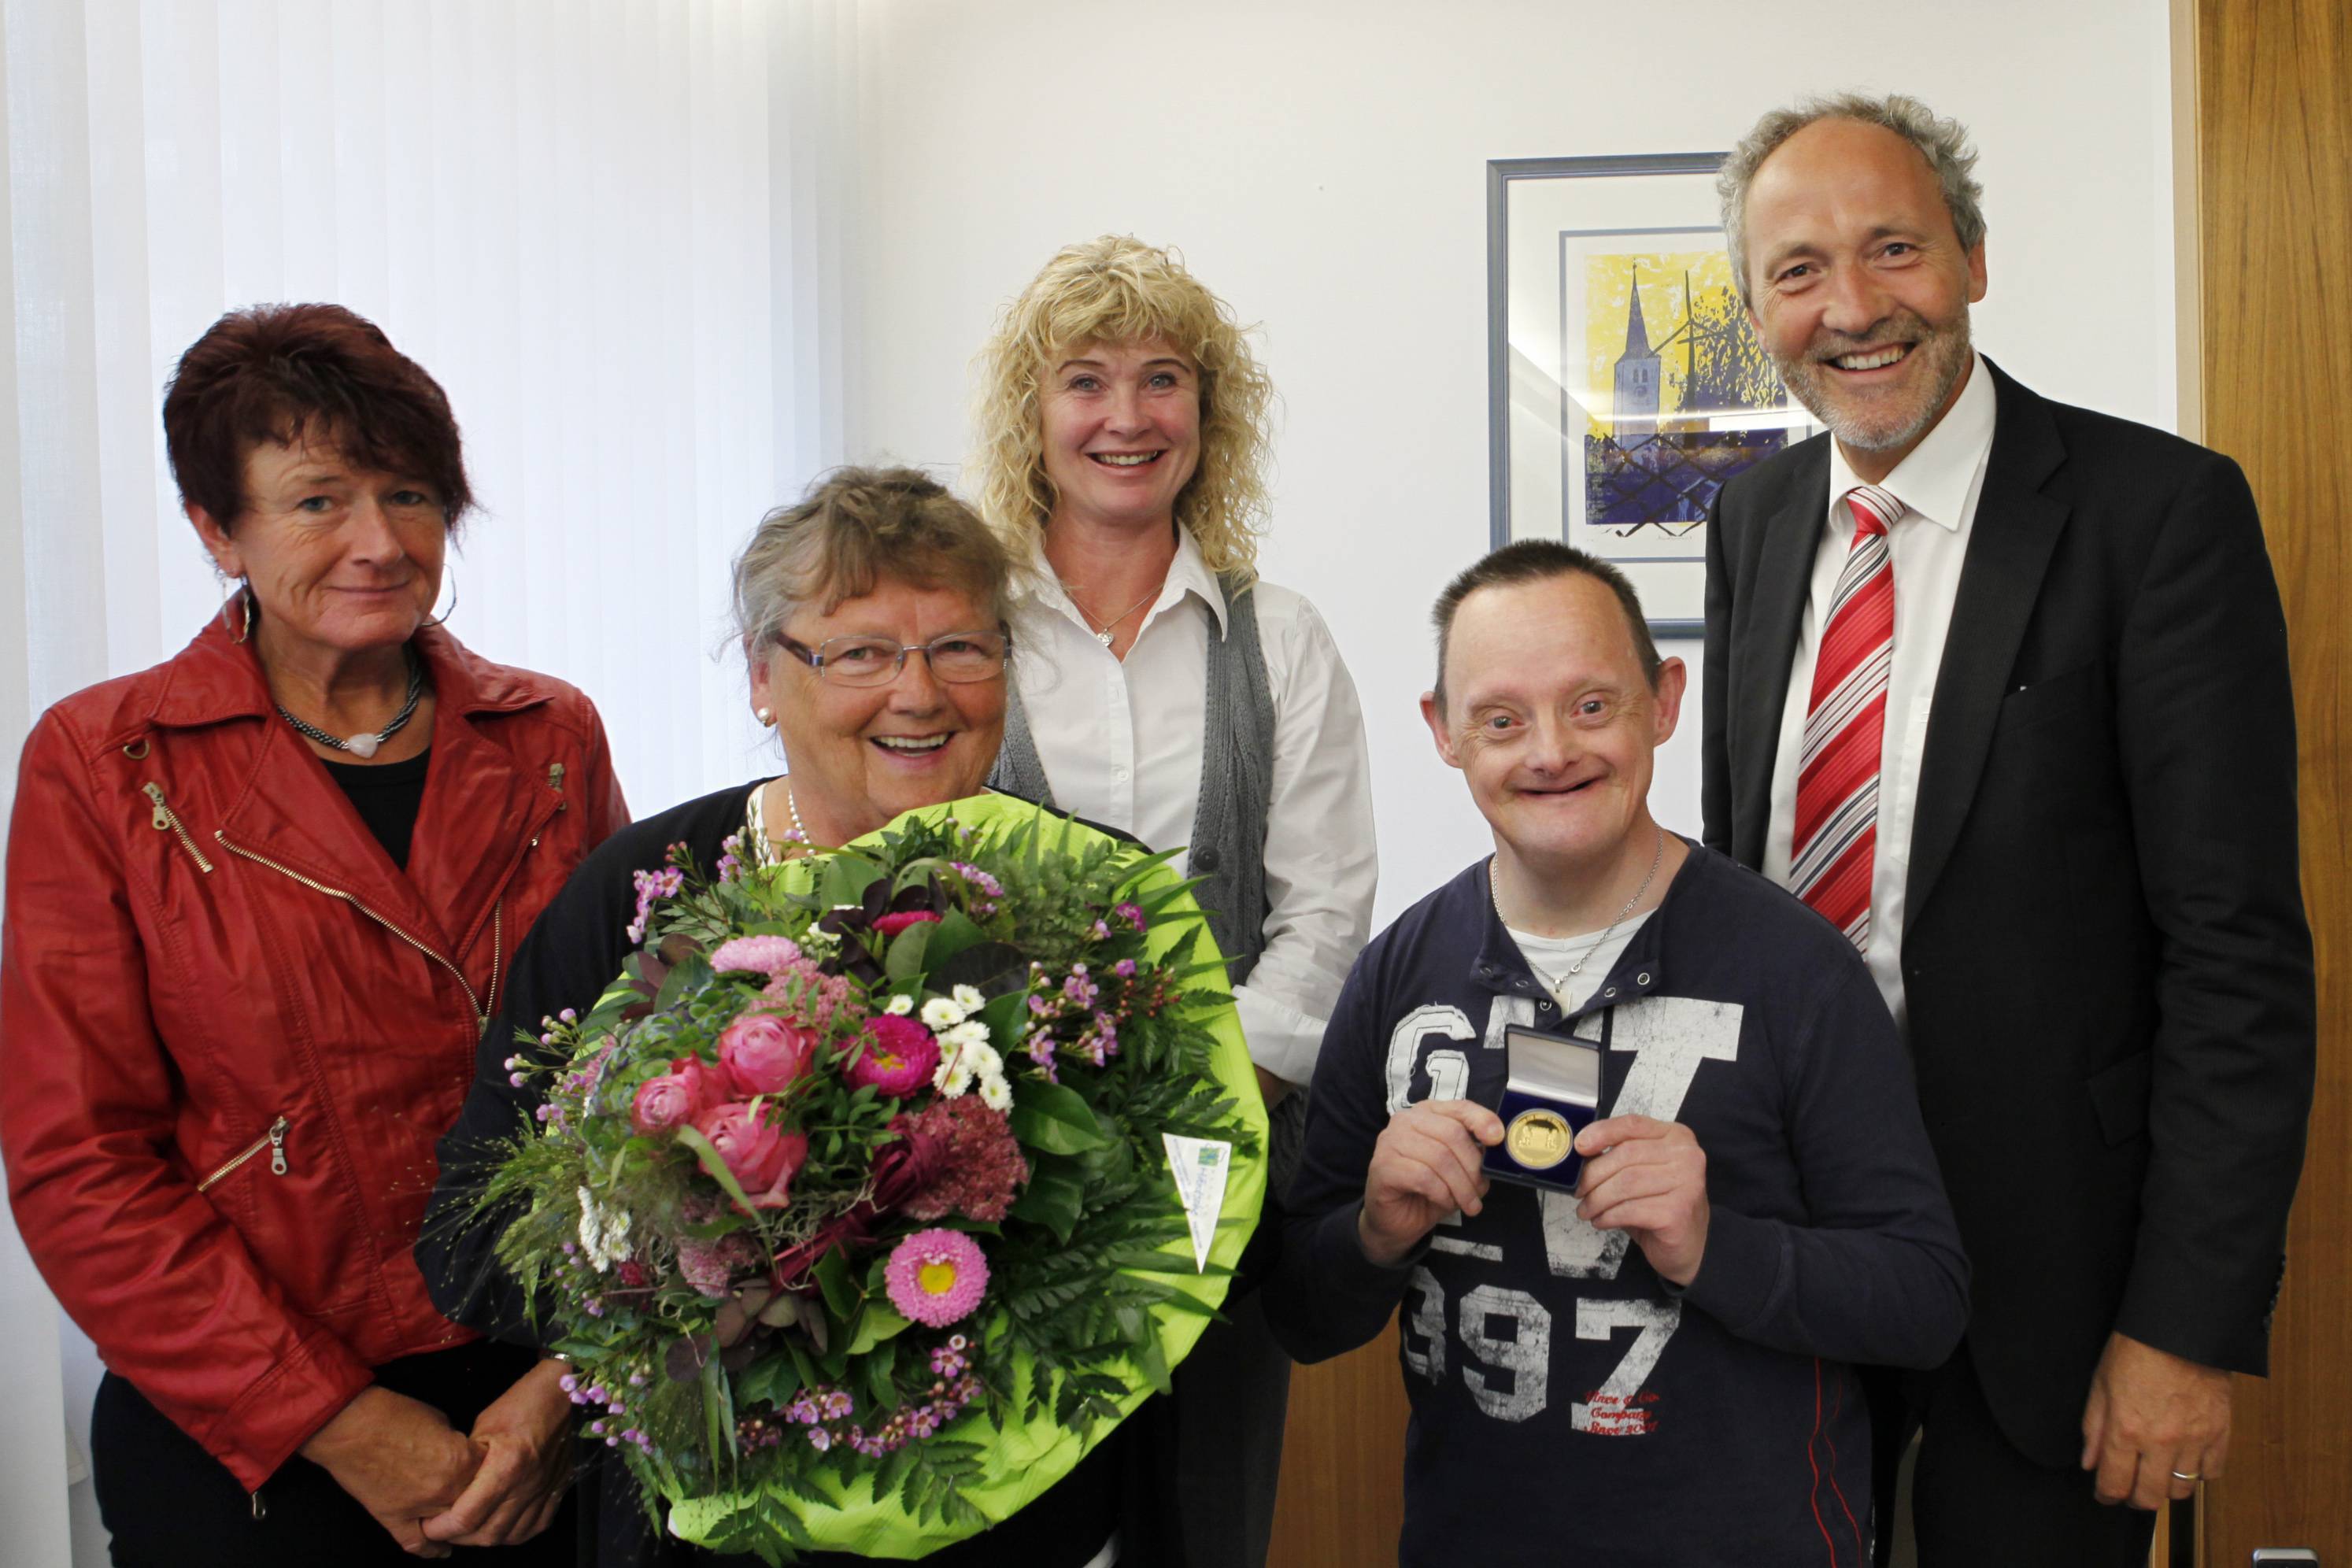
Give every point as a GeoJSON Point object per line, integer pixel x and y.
{"type": "Point", "coordinates": [1323, 167]}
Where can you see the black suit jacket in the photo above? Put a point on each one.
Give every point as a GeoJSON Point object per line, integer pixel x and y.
{"type": "Point", "coordinates": [2108, 972]}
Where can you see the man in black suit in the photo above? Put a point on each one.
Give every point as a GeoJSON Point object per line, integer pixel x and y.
{"type": "Point", "coordinates": [2045, 778]}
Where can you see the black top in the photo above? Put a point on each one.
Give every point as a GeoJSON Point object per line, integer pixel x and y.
{"type": "Point", "coordinates": [573, 952]}
{"type": "Point", "coordinates": [387, 798]}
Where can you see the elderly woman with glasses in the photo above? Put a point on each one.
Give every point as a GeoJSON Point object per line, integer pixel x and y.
{"type": "Point", "coordinates": [872, 615]}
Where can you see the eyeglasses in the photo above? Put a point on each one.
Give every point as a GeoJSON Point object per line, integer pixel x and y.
{"type": "Point", "coordinates": [958, 658]}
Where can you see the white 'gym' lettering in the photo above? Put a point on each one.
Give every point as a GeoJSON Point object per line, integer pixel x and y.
{"type": "Point", "coordinates": [1404, 1045]}
{"type": "Point", "coordinates": [1669, 1037]}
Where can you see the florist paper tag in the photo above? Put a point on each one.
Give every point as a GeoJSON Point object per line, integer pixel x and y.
{"type": "Point", "coordinates": [1200, 1166]}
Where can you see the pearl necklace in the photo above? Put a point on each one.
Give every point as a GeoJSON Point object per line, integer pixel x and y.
{"type": "Point", "coordinates": [755, 822]}
{"type": "Point", "coordinates": [1559, 983]}
{"type": "Point", "coordinates": [364, 745]}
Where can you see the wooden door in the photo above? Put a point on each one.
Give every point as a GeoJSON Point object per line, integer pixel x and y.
{"type": "Point", "coordinates": [2275, 208]}
{"type": "Point", "coordinates": [1342, 1498]}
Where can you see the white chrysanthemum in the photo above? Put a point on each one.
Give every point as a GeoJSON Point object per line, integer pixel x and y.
{"type": "Point", "coordinates": [996, 1094]}
{"type": "Point", "coordinates": [968, 999]}
{"type": "Point", "coordinates": [944, 1072]}
{"type": "Point", "coordinates": [939, 1013]}
{"type": "Point", "coordinates": [981, 1058]}
{"type": "Point", "coordinates": [965, 1035]}
{"type": "Point", "coordinates": [589, 1228]}
{"type": "Point", "coordinates": [958, 1082]}
{"type": "Point", "coordinates": [604, 1232]}
{"type": "Point", "coordinates": [899, 1006]}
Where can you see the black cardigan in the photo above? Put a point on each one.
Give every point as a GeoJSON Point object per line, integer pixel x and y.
{"type": "Point", "coordinates": [572, 954]}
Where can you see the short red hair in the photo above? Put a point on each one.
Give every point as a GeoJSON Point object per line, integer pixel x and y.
{"type": "Point", "coordinates": [283, 373]}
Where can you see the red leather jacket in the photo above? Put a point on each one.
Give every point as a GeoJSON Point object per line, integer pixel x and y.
{"type": "Point", "coordinates": [231, 1029]}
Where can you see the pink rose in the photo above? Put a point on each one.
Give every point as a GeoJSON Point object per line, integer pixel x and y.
{"type": "Point", "coordinates": [891, 925]}
{"type": "Point", "coordinates": [761, 1157]}
{"type": "Point", "coordinates": [676, 1097]}
{"type": "Point", "coordinates": [764, 1055]}
{"type": "Point", "coordinates": [898, 1057]}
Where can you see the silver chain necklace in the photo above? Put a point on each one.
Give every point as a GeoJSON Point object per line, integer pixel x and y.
{"type": "Point", "coordinates": [1559, 983]}
{"type": "Point", "coordinates": [1110, 627]}
{"type": "Point", "coordinates": [363, 745]}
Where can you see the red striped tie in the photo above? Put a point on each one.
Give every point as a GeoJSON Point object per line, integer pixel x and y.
{"type": "Point", "coordinates": [1836, 834]}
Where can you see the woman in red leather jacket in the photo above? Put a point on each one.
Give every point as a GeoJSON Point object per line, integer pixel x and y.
{"type": "Point", "coordinates": [259, 902]}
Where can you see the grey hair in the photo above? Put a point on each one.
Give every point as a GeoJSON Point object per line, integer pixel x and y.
{"type": "Point", "coordinates": [853, 529]}
{"type": "Point", "coordinates": [1943, 142]}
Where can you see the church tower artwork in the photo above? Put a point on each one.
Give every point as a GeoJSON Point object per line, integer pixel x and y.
{"type": "Point", "coordinates": [1682, 398]}
{"type": "Point", "coordinates": [1634, 412]}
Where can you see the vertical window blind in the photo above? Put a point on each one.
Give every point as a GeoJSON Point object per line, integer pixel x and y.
{"type": "Point", "coordinates": [616, 232]}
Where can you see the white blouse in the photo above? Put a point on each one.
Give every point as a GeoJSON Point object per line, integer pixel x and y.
{"type": "Point", "coordinates": [1121, 743]}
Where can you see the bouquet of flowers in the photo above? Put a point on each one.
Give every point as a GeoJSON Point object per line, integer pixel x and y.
{"type": "Point", "coordinates": [887, 1179]}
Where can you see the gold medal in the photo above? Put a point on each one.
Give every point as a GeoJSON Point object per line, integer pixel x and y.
{"type": "Point", "coordinates": [1539, 1140]}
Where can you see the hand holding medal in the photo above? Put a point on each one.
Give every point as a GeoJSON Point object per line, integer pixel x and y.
{"type": "Point", "coordinates": [1648, 1177]}
{"type": "Point", "coordinates": [1425, 1167]}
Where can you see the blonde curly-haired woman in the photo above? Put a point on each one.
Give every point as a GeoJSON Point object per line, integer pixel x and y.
{"type": "Point", "coordinates": [1167, 690]}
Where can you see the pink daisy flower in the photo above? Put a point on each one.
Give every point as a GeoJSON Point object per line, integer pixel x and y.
{"type": "Point", "coordinates": [899, 1058]}
{"type": "Point", "coordinates": [935, 1277]}
{"type": "Point", "coordinates": [769, 955]}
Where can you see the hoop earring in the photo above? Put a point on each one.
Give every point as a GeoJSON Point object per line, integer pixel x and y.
{"type": "Point", "coordinates": [242, 595]}
{"type": "Point", "coordinates": [443, 619]}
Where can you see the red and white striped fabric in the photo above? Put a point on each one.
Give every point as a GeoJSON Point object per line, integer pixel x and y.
{"type": "Point", "coordinates": [1836, 835]}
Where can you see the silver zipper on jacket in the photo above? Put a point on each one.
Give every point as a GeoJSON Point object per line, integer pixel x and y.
{"type": "Point", "coordinates": [497, 926]}
{"type": "Point", "coordinates": [498, 945]}
{"type": "Point", "coordinates": [274, 1141]}
{"type": "Point", "coordinates": [166, 820]}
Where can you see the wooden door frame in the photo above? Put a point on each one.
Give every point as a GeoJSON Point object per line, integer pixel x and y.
{"type": "Point", "coordinates": [2263, 177]}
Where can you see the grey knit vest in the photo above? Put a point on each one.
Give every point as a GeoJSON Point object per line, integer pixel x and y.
{"type": "Point", "coordinates": [1228, 845]}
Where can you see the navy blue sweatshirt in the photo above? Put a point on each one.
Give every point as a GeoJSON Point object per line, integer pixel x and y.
{"type": "Point", "coordinates": [1569, 1405]}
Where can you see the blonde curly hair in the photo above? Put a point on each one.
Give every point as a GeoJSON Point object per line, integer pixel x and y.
{"type": "Point", "coordinates": [1118, 289]}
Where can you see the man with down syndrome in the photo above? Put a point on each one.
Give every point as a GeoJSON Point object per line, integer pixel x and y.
{"type": "Point", "coordinates": [1655, 1363]}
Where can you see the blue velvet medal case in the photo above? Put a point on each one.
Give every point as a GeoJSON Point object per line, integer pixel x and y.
{"type": "Point", "coordinates": [1551, 1094]}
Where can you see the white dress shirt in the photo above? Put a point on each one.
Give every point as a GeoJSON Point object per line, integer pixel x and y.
{"type": "Point", "coordinates": [1940, 482]}
{"type": "Point", "coordinates": [1121, 743]}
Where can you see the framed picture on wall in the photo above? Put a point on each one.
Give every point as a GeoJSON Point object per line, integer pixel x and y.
{"type": "Point", "coordinates": [1625, 385]}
